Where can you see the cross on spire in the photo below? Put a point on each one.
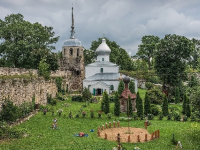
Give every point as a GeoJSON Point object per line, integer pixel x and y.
{"type": "Point", "coordinates": [72, 31]}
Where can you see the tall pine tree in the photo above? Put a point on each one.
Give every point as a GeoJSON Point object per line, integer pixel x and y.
{"type": "Point", "coordinates": [188, 111]}
{"type": "Point", "coordinates": [147, 107]}
{"type": "Point", "coordinates": [121, 87]}
{"type": "Point", "coordinates": [129, 107]}
{"type": "Point", "coordinates": [139, 105]}
{"type": "Point", "coordinates": [106, 103]}
{"type": "Point", "coordinates": [177, 95]}
{"type": "Point", "coordinates": [184, 108]}
{"type": "Point", "coordinates": [117, 104]}
{"type": "Point", "coordinates": [132, 86]}
{"type": "Point", "coordinates": [165, 106]}
{"type": "Point", "coordinates": [138, 94]}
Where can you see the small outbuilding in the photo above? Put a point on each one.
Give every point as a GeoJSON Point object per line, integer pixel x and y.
{"type": "Point", "coordinates": [124, 96]}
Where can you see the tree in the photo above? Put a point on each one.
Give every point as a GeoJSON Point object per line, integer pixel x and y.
{"type": "Point", "coordinates": [118, 55]}
{"type": "Point", "coordinates": [129, 107]}
{"type": "Point", "coordinates": [193, 81]}
{"type": "Point", "coordinates": [177, 95]}
{"type": "Point", "coordinates": [43, 69]}
{"type": "Point", "coordinates": [184, 107]}
{"type": "Point", "coordinates": [117, 104]}
{"type": "Point", "coordinates": [147, 107]}
{"type": "Point", "coordinates": [132, 86]}
{"type": "Point", "coordinates": [139, 105]}
{"type": "Point", "coordinates": [195, 99]}
{"type": "Point", "coordinates": [188, 111]}
{"type": "Point", "coordinates": [106, 103]}
{"type": "Point", "coordinates": [86, 94]}
{"type": "Point", "coordinates": [170, 62]}
{"type": "Point", "coordinates": [146, 50]}
{"type": "Point", "coordinates": [20, 38]}
{"type": "Point", "coordinates": [155, 95]}
{"type": "Point", "coordinates": [121, 87]}
{"type": "Point", "coordinates": [137, 100]}
{"type": "Point", "coordinates": [165, 106]}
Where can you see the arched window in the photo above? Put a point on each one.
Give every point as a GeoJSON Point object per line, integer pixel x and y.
{"type": "Point", "coordinates": [101, 70]}
{"type": "Point", "coordinates": [78, 52]}
{"type": "Point", "coordinates": [102, 59]}
{"type": "Point", "coordinates": [111, 87]}
{"type": "Point", "coordinates": [71, 51]}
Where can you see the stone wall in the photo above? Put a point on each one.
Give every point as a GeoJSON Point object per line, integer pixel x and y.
{"type": "Point", "coordinates": [17, 71]}
{"type": "Point", "coordinates": [21, 90]}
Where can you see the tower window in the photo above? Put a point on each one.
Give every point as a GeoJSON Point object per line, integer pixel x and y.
{"type": "Point", "coordinates": [71, 51]}
{"type": "Point", "coordinates": [64, 52]}
{"type": "Point", "coordinates": [78, 52]}
{"type": "Point", "coordinates": [77, 73]}
{"type": "Point", "coordinates": [102, 59]}
{"type": "Point", "coordinates": [101, 70]}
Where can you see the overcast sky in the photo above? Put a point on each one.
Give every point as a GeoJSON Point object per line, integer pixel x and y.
{"type": "Point", "coordinates": [122, 21]}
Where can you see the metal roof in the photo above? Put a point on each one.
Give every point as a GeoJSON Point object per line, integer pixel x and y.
{"type": "Point", "coordinates": [104, 76]}
{"type": "Point", "coordinates": [103, 48]}
{"type": "Point", "coordinates": [72, 42]}
{"type": "Point", "coordinates": [102, 63]}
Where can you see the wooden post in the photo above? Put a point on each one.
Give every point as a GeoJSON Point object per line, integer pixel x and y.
{"type": "Point", "coordinates": [158, 133]}
{"type": "Point", "coordinates": [106, 125]}
{"type": "Point", "coordinates": [145, 137]}
{"type": "Point", "coordinates": [129, 139]}
{"type": "Point", "coordinates": [109, 124]}
{"type": "Point", "coordinates": [118, 123]}
{"type": "Point", "coordinates": [145, 124]}
{"type": "Point", "coordinates": [102, 126]}
{"type": "Point", "coordinates": [114, 124]}
{"type": "Point", "coordinates": [105, 136]}
{"type": "Point", "coordinates": [152, 136]}
{"type": "Point", "coordinates": [138, 137]}
{"type": "Point", "coordinates": [98, 133]}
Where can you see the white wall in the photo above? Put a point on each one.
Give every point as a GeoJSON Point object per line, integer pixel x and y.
{"type": "Point", "coordinates": [90, 70]}
{"type": "Point", "coordinates": [106, 57]}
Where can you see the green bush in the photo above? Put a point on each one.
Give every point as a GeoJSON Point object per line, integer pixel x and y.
{"type": "Point", "coordinates": [193, 117]}
{"type": "Point", "coordinates": [176, 116]}
{"type": "Point", "coordinates": [154, 110]}
{"type": "Point", "coordinates": [77, 98]}
{"type": "Point", "coordinates": [154, 79]}
{"type": "Point", "coordinates": [169, 116]}
{"type": "Point", "coordinates": [150, 116]}
{"type": "Point", "coordinates": [185, 118]}
{"type": "Point", "coordinates": [112, 99]}
{"type": "Point", "coordinates": [155, 96]}
{"type": "Point", "coordinates": [149, 85]}
{"type": "Point", "coordinates": [161, 116]}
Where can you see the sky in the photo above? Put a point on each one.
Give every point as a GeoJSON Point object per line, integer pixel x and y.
{"type": "Point", "coordinates": [122, 21]}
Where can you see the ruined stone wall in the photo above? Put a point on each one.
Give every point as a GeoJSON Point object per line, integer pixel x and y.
{"type": "Point", "coordinates": [17, 71]}
{"type": "Point", "coordinates": [21, 90]}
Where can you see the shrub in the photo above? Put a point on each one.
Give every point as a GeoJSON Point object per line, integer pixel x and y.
{"type": "Point", "coordinates": [193, 117]}
{"type": "Point", "coordinates": [149, 85]}
{"type": "Point", "coordinates": [77, 98]}
{"type": "Point", "coordinates": [121, 87]}
{"type": "Point", "coordinates": [161, 116]}
{"type": "Point", "coordinates": [132, 86]}
{"type": "Point", "coordinates": [147, 107]}
{"type": "Point", "coordinates": [165, 110]}
{"type": "Point", "coordinates": [91, 113]}
{"type": "Point", "coordinates": [169, 116]}
{"type": "Point", "coordinates": [155, 96]}
{"type": "Point", "coordinates": [150, 116]}
{"type": "Point", "coordinates": [154, 110]}
{"type": "Point", "coordinates": [185, 118]}
{"type": "Point", "coordinates": [117, 105]}
{"type": "Point", "coordinates": [111, 99]}
{"type": "Point", "coordinates": [176, 116]}
{"type": "Point", "coordinates": [59, 84]}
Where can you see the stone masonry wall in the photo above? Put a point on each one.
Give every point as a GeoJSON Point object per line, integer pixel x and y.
{"type": "Point", "coordinates": [21, 90]}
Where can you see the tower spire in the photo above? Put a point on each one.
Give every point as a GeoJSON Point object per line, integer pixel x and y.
{"type": "Point", "coordinates": [72, 31]}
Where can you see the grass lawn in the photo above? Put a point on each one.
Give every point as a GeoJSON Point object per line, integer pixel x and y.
{"type": "Point", "coordinates": [42, 137]}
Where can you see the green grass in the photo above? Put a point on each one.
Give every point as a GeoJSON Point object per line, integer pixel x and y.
{"type": "Point", "coordinates": [42, 137]}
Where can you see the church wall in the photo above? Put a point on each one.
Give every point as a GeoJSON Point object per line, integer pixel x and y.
{"type": "Point", "coordinates": [106, 58]}
{"type": "Point", "coordinates": [89, 70]}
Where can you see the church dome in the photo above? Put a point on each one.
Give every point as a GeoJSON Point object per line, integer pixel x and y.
{"type": "Point", "coordinates": [103, 48]}
{"type": "Point", "coordinates": [72, 42]}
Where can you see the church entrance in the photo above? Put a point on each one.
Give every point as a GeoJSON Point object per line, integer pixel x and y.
{"type": "Point", "coordinates": [99, 91]}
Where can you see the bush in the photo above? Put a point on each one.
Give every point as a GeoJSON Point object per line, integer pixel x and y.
{"type": "Point", "coordinates": [154, 110]}
{"type": "Point", "coordinates": [185, 118]}
{"type": "Point", "coordinates": [149, 85]}
{"type": "Point", "coordinates": [155, 96]}
{"type": "Point", "coordinates": [112, 99]}
{"type": "Point", "coordinates": [193, 117]}
{"type": "Point", "coordinates": [169, 116]}
{"type": "Point", "coordinates": [77, 98]}
{"type": "Point", "coordinates": [154, 79]}
{"type": "Point", "coordinates": [150, 116]}
{"type": "Point", "coordinates": [176, 116]}
{"type": "Point", "coordinates": [60, 96]}
{"type": "Point", "coordinates": [161, 116]}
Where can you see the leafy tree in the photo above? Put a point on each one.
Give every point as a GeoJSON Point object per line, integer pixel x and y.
{"type": "Point", "coordinates": [177, 95]}
{"type": "Point", "coordinates": [86, 94]}
{"type": "Point", "coordinates": [132, 86]}
{"type": "Point", "coordinates": [165, 106]}
{"type": "Point", "coordinates": [139, 105]}
{"type": "Point", "coordinates": [20, 38]}
{"type": "Point", "coordinates": [146, 50]}
{"type": "Point", "coordinates": [137, 98]}
{"type": "Point", "coordinates": [106, 103]}
{"type": "Point", "coordinates": [121, 87]}
{"type": "Point", "coordinates": [147, 106]}
{"type": "Point", "coordinates": [171, 57]}
{"type": "Point", "coordinates": [43, 69]}
{"type": "Point", "coordinates": [118, 55]}
{"type": "Point", "coordinates": [129, 107]}
{"type": "Point", "coordinates": [195, 99]}
{"type": "Point", "coordinates": [117, 104]}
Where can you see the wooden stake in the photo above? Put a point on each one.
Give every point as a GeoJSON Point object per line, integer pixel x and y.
{"type": "Point", "coordinates": [129, 139]}
{"type": "Point", "coordinates": [145, 137]}
{"type": "Point", "coordinates": [138, 138]}
{"type": "Point", "coordinates": [105, 136]}
{"type": "Point", "coordinates": [152, 136]}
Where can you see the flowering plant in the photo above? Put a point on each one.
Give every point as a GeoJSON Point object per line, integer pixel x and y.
{"type": "Point", "coordinates": [44, 111]}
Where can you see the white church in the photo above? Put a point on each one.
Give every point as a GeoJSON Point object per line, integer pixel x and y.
{"type": "Point", "coordinates": [103, 75]}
